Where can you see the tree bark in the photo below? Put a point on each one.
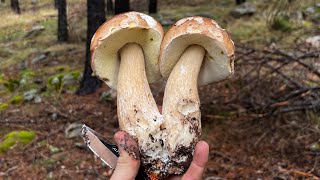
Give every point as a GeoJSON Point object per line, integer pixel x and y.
{"type": "Point", "coordinates": [121, 6]}
{"type": "Point", "coordinates": [238, 2]}
{"type": "Point", "coordinates": [15, 6]}
{"type": "Point", "coordinates": [96, 16]}
{"type": "Point", "coordinates": [152, 6]}
{"type": "Point", "coordinates": [56, 4]}
{"type": "Point", "coordinates": [109, 7]}
{"type": "Point", "coordinates": [62, 21]}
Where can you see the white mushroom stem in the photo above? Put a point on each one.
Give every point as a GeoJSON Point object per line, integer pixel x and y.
{"type": "Point", "coordinates": [137, 110]}
{"type": "Point", "coordinates": [181, 104]}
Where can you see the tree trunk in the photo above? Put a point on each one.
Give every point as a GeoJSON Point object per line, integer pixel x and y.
{"type": "Point", "coordinates": [15, 6]}
{"type": "Point", "coordinates": [152, 6]}
{"type": "Point", "coordinates": [96, 16]}
{"type": "Point", "coordinates": [3, 1]}
{"type": "Point", "coordinates": [121, 6]}
{"type": "Point", "coordinates": [238, 2]}
{"type": "Point", "coordinates": [109, 7]}
{"type": "Point", "coordinates": [62, 21]}
{"type": "Point", "coordinates": [56, 4]}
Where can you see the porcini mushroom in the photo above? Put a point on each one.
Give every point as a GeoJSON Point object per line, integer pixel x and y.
{"type": "Point", "coordinates": [125, 53]}
{"type": "Point", "coordinates": [194, 51]}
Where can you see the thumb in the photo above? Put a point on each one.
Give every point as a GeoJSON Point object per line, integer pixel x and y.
{"type": "Point", "coordinates": [129, 161]}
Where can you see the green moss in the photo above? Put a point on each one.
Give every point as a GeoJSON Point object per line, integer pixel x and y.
{"type": "Point", "coordinates": [43, 143]}
{"type": "Point", "coordinates": [4, 106]}
{"type": "Point", "coordinates": [75, 74]}
{"type": "Point", "coordinates": [282, 24]}
{"type": "Point", "coordinates": [16, 137]}
{"type": "Point", "coordinates": [16, 99]}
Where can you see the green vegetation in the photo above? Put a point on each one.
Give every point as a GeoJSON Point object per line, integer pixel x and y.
{"type": "Point", "coordinates": [267, 25]}
{"type": "Point", "coordinates": [49, 163]}
{"type": "Point", "coordinates": [282, 24]}
{"type": "Point", "coordinates": [16, 138]}
{"type": "Point", "coordinates": [11, 84]}
{"type": "Point", "coordinates": [16, 100]}
{"type": "Point", "coordinates": [4, 106]}
{"type": "Point", "coordinates": [56, 81]}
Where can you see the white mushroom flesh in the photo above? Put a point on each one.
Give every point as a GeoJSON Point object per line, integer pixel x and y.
{"type": "Point", "coordinates": [137, 110]}
{"type": "Point", "coordinates": [181, 106]}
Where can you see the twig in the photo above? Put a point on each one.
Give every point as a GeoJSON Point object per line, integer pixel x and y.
{"type": "Point", "coordinates": [8, 171]}
{"type": "Point", "coordinates": [223, 156]}
{"type": "Point", "coordinates": [302, 107]}
{"type": "Point", "coordinates": [261, 137]}
{"type": "Point", "coordinates": [285, 76]}
{"type": "Point", "coordinates": [314, 165]}
{"type": "Point", "coordinates": [299, 173]}
{"type": "Point", "coordinates": [274, 60]}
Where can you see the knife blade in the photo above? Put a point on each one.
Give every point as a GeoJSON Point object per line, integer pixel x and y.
{"type": "Point", "coordinates": [105, 150]}
{"type": "Point", "coordinates": [100, 146]}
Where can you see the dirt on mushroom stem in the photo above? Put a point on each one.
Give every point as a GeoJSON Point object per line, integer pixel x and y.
{"type": "Point", "coordinates": [135, 109]}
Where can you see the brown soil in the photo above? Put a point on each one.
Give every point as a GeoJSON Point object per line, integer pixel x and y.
{"type": "Point", "coordinates": [241, 147]}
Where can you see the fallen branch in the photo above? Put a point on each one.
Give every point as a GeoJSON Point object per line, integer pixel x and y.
{"type": "Point", "coordinates": [268, 68]}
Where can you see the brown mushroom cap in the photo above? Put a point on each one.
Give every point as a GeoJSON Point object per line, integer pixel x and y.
{"type": "Point", "coordinates": [218, 61]}
{"type": "Point", "coordinates": [130, 27]}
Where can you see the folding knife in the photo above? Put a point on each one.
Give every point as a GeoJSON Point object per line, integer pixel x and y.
{"type": "Point", "coordinates": [105, 150]}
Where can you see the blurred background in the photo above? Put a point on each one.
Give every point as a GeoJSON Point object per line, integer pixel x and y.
{"type": "Point", "coordinates": [262, 123]}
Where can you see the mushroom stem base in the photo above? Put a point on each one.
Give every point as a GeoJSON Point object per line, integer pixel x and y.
{"type": "Point", "coordinates": [181, 107]}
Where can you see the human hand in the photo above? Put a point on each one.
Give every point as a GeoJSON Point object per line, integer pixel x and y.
{"type": "Point", "coordinates": [129, 163]}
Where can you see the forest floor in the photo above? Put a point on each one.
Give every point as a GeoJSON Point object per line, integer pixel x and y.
{"type": "Point", "coordinates": [242, 146]}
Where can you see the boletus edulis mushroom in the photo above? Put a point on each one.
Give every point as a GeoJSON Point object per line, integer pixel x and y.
{"type": "Point", "coordinates": [195, 50]}
{"type": "Point", "coordinates": [125, 55]}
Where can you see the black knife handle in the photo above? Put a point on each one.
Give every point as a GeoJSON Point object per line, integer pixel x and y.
{"type": "Point", "coordinates": [141, 174]}
{"type": "Point", "coordinates": [113, 148]}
